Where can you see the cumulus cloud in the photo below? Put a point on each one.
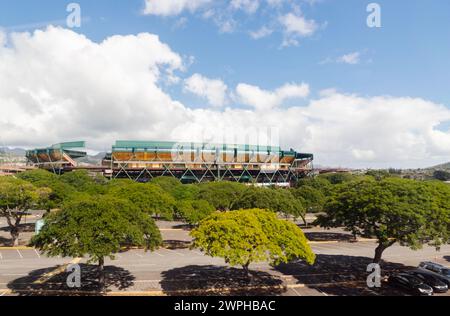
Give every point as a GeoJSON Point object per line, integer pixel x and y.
{"type": "Point", "coordinates": [295, 26]}
{"type": "Point", "coordinates": [249, 6]}
{"type": "Point", "coordinates": [57, 85]}
{"type": "Point", "coordinates": [351, 59]}
{"type": "Point", "coordinates": [261, 33]}
{"type": "Point", "coordinates": [214, 90]}
{"type": "Point", "coordinates": [265, 100]}
{"type": "Point", "coordinates": [172, 7]}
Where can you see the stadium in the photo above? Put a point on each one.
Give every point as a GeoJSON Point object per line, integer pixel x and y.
{"type": "Point", "coordinates": [189, 162]}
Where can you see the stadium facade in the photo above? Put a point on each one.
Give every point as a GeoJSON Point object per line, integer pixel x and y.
{"type": "Point", "coordinates": [189, 162]}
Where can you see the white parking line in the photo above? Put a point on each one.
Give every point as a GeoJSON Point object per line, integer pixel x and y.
{"type": "Point", "coordinates": [296, 292]}
{"type": "Point", "coordinates": [157, 253]}
{"type": "Point", "coordinates": [1, 257]}
{"type": "Point", "coordinates": [140, 256]}
{"type": "Point", "coordinates": [37, 253]}
{"type": "Point", "coordinates": [21, 257]}
{"type": "Point", "coordinates": [323, 293]}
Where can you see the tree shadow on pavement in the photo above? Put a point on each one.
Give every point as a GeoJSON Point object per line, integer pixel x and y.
{"type": "Point", "coordinates": [5, 242]}
{"type": "Point", "coordinates": [324, 236]}
{"type": "Point", "coordinates": [217, 280]}
{"type": "Point", "coordinates": [177, 244]}
{"type": "Point", "coordinates": [341, 275]}
{"type": "Point", "coordinates": [24, 228]}
{"type": "Point", "coordinates": [37, 282]}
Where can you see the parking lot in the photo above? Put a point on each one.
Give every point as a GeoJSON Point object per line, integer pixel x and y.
{"type": "Point", "coordinates": [339, 270]}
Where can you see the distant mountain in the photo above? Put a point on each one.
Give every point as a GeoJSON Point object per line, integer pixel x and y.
{"type": "Point", "coordinates": [92, 160]}
{"type": "Point", "coordinates": [12, 151]}
{"type": "Point", "coordinates": [444, 166]}
{"type": "Point", "coordinates": [12, 155]}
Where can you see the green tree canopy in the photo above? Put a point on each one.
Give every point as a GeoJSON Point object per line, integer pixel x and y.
{"type": "Point", "coordinates": [391, 210]}
{"type": "Point", "coordinates": [148, 197]}
{"type": "Point", "coordinates": [17, 197]}
{"type": "Point", "coordinates": [45, 179]}
{"type": "Point", "coordinates": [175, 188]}
{"type": "Point", "coordinates": [221, 195]}
{"type": "Point", "coordinates": [441, 175]}
{"type": "Point", "coordinates": [82, 181]}
{"type": "Point", "coordinates": [194, 211]}
{"type": "Point", "coordinates": [338, 178]}
{"type": "Point", "coordinates": [246, 236]}
{"type": "Point", "coordinates": [97, 227]}
{"type": "Point", "coordinates": [313, 199]}
{"type": "Point", "coordinates": [276, 200]}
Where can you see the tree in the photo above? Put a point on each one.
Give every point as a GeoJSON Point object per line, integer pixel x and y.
{"type": "Point", "coordinates": [338, 178]}
{"type": "Point", "coordinates": [17, 197]}
{"type": "Point", "coordinates": [175, 188]}
{"type": "Point", "coordinates": [82, 181]}
{"type": "Point", "coordinates": [313, 199]}
{"type": "Point", "coordinates": [246, 236]}
{"type": "Point", "coordinates": [97, 227]}
{"type": "Point", "coordinates": [45, 179]}
{"type": "Point", "coordinates": [194, 211]}
{"type": "Point", "coordinates": [148, 197]}
{"type": "Point", "coordinates": [441, 175]}
{"type": "Point", "coordinates": [254, 197]}
{"type": "Point", "coordinates": [221, 195]}
{"type": "Point", "coordinates": [391, 210]}
{"type": "Point", "coordinates": [276, 200]}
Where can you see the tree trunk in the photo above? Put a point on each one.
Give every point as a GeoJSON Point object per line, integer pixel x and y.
{"type": "Point", "coordinates": [101, 275]}
{"type": "Point", "coordinates": [247, 274]}
{"type": "Point", "coordinates": [382, 246]}
{"type": "Point", "coordinates": [14, 236]}
{"type": "Point", "coordinates": [304, 220]}
{"type": "Point", "coordinates": [378, 253]}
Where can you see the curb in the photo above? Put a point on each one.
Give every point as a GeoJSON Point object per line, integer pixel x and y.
{"type": "Point", "coordinates": [17, 248]}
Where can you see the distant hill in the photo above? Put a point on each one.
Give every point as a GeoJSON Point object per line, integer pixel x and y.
{"type": "Point", "coordinates": [92, 160]}
{"type": "Point", "coordinates": [445, 166]}
{"type": "Point", "coordinates": [12, 151]}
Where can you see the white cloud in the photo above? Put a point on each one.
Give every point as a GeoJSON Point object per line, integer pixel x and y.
{"type": "Point", "coordinates": [298, 25]}
{"type": "Point", "coordinates": [249, 6]}
{"type": "Point", "coordinates": [351, 59]}
{"type": "Point", "coordinates": [261, 33]}
{"type": "Point", "coordinates": [2, 38]}
{"type": "Point", "coordinates": [57, 85]}
{"type": "Point", "coordinates": [172, 7]}
{"type": "Point", "coordinates": [214, 90]}
{"type": "Point", "coordinates": [265, 100]}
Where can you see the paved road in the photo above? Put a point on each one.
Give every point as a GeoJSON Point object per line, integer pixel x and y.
{"type": "Point", "coordinates": [340, 269]}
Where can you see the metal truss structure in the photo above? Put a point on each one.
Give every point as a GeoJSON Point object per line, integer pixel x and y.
{"type": "Point", "coordinates": [57, 158]}
{"type": "Point", "coordinates": [143, 161]}
{"type": "Point", "coordinates": [255, 170]}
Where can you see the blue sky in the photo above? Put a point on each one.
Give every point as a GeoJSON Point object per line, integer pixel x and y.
{"type": "Point", "coordinates": [408, 57]}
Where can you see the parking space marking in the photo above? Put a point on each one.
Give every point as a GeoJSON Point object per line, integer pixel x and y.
{"type": "Point", "coordinates": [18, 251]}
{"type": "Point", "coordinates": [1, 257]}
{"type": "Point", "coordinates": [140, 256]}
{"type": "Point", "coordinates": [323, 293]}
{"type": "Point", "coordinates": [296, 292]}
{"type": "Point", "coordinates": [37, 253]}
{"type": "Point", "coordinates": [157, 253]}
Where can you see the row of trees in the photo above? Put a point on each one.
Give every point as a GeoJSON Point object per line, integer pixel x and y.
{"type": "Point", "coordinates": [232, 220]}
